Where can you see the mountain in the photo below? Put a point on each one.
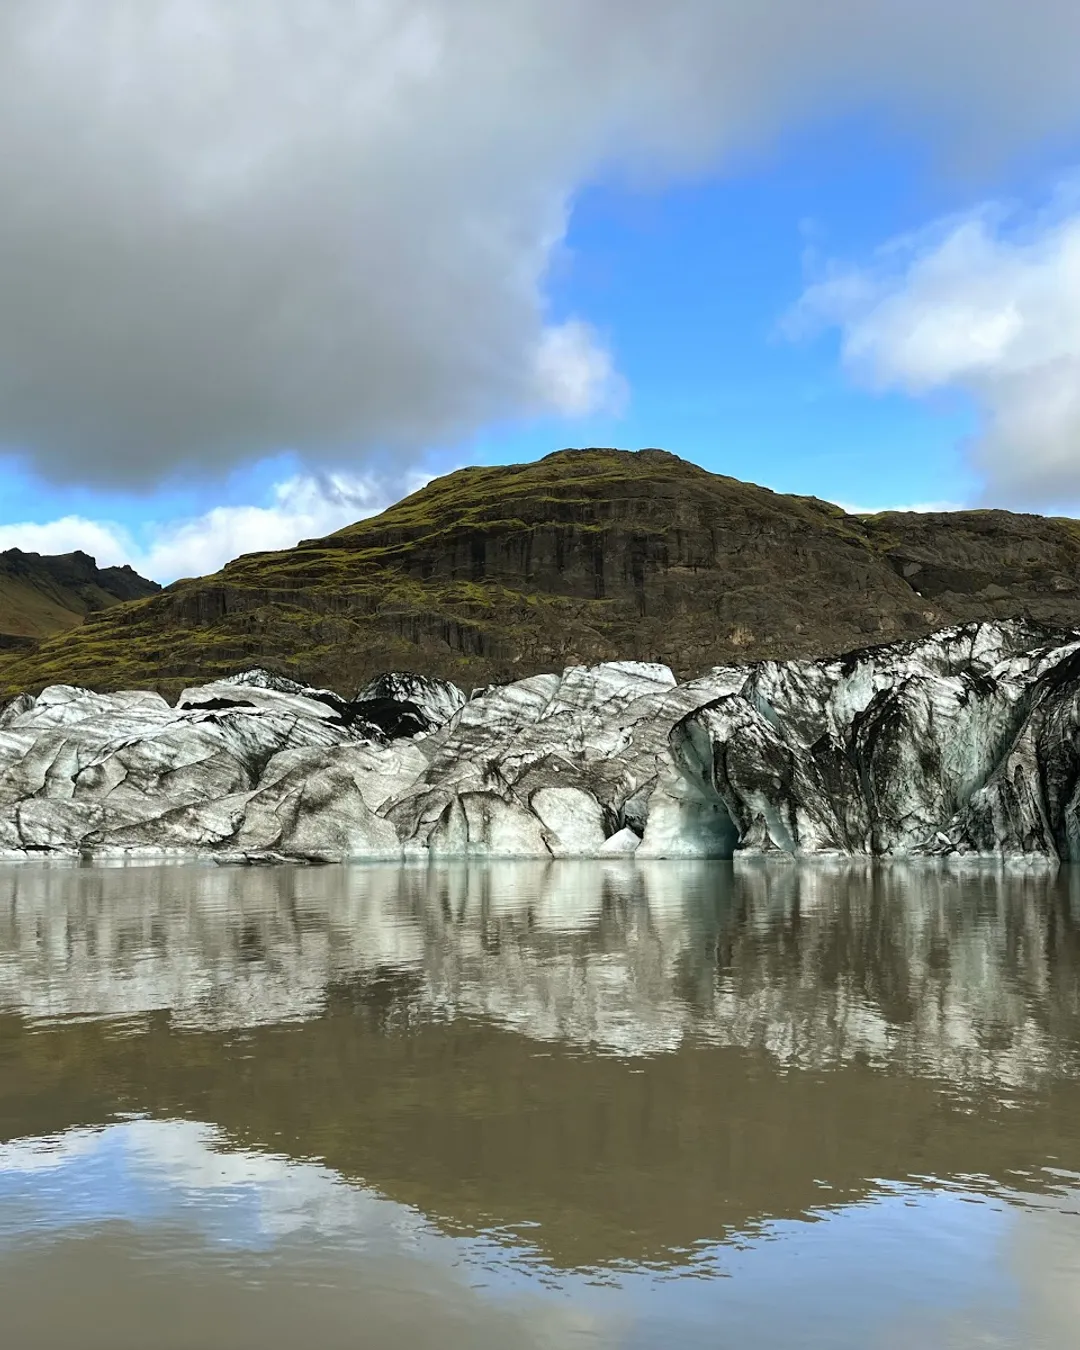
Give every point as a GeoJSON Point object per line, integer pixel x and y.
{"type": "Point", "coordinates": [496, 573]}
{"type": "Point", "coordinates": [42, 595]}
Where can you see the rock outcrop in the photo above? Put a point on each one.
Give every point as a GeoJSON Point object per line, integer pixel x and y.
{"type": "Point", "coordinates": [965, 743]}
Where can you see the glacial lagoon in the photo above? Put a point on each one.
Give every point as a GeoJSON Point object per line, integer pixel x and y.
{"type": "Point", "coordinates": [597, 1104]}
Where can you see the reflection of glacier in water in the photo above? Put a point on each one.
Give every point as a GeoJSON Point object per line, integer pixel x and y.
{"type": "Point", "coordinates": [968, 975]}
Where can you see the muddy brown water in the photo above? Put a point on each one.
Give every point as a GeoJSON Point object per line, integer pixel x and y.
{"type": "Point", "coordinates": [522, 1105]}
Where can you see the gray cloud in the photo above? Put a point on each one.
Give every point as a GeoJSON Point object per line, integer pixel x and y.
{"type": "Point", "coordinates": [227, 228]}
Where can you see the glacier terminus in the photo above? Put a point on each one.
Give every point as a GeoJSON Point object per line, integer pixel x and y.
{"type": "Point", "coordinates": [962, 744]}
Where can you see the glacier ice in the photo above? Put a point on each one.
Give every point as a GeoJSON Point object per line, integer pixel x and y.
{"type": "Point", "coordinates": [964, 743]}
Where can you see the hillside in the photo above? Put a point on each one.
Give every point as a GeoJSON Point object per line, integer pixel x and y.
{"type": "Point", "coordinates": [42, 595]}
{"type": "Point", "coordinates": [494, 573]}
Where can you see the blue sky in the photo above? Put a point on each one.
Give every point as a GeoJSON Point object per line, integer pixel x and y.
{"type": "Point", "coordinates": [690, 285]}
{"type": "Point", "coordinates": [868, 301]}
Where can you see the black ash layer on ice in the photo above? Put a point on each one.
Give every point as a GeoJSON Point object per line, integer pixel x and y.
{"type": "Point", "coordinates": [964, 743]}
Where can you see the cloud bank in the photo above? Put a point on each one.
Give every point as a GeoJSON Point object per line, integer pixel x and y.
{"type": "Point", "coordinates": [326, 225]}
{"type": "Point", "coordinates": [989, 306]}
{"type": "Point", "coordinates": [305, 506]}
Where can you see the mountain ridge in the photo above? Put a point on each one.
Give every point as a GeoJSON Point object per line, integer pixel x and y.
{"type": "Point", "coordinates": [43, 594]}
{"type": "Point", "coordinates": [493, 573]}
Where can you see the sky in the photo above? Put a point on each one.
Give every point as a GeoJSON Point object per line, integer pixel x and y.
{"type": "Point", "coordinates": [264, 270]}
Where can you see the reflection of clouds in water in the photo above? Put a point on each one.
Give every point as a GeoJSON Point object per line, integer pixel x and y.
{"type": "Point", "coordinates": [1044, 1258]}
{"type": "Point", "coordinates": [23, 1157]}
{"type": "Point", "coordinates": [1034, 1300]}
{"type": "Point", "coordinates": [197, 1164]}
{"type": "Point", "coordinates": [970, 975]}
{"type": "Point", "coordinates": [979, 1273]}
{"type": "Point", "coordinates": [237, 1232]}
{"type": "Point", "coordinates": [141, 1169]}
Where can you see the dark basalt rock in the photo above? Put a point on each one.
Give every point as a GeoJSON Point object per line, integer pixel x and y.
{"type": "Point", "coordinates": [213, 704]}
{"type": "Point", "coordinates": [393, 717]}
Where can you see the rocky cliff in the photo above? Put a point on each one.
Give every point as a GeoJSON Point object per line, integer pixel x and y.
{"type": "Point", "coordinates": [492, 574]}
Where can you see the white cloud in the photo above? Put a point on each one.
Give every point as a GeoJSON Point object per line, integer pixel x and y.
{"type": "Point", "coordinates": [303, 507]}
{"type": "Point", "coordinates": [325, 226]}
{"type": "Point", "coordinates": [985, 307]}
{"type": "Point", "coordinates": [575, 373]}
{"type": "Point", "coordinates": [918, 507]}
{"type": "Point", "coordinates": [103, 541]}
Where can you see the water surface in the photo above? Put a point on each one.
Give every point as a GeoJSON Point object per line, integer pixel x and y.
{"type": "Point", "coordinates": [504, 1105]}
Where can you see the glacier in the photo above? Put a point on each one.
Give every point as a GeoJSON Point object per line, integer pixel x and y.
{"type": "Point", "coordinates": [963, 744]}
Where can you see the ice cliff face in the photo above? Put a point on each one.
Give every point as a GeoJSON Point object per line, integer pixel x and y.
{"type": "Point", "coordinates": [967, 742]}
